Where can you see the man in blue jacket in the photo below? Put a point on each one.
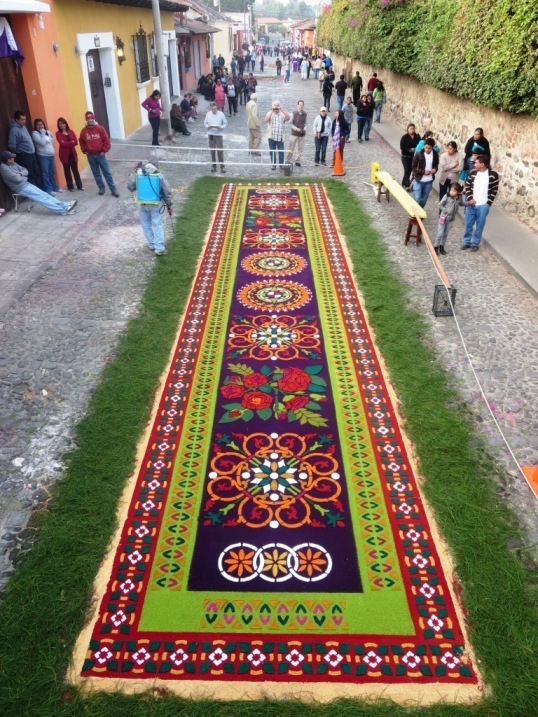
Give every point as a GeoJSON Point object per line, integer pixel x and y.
{"type": "Point", "coordinates": [20, 143]}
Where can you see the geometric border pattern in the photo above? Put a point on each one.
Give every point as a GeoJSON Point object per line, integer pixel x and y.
{"type": "Point", "coordinates": [435, 653]}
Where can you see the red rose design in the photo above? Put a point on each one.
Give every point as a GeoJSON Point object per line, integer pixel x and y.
{"type": "Point", "coordinates": [256, 400]}
{"type": "Point", "coordinates": [232, 390]}
{"type": "Point", "coordinates": [293, 380]}
{"type": "Point", "coordinates": [297, 402]}
{"type": "Point", "coordinates": [253, 380]}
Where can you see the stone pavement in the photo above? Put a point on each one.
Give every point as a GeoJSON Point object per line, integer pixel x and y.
{"type": "Point", "coordinates": [69, 285]}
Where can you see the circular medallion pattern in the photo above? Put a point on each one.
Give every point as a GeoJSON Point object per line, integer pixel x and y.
{"type": "Point", "coordinates": [277, 295]}
{"type": "Point", "coordinates": [274, 264]}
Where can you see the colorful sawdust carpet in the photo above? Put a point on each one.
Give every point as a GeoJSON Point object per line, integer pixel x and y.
{"type": "Point", "coordinates": [276, 532]}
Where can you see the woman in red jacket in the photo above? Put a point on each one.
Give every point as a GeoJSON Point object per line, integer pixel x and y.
{"type": "Point", "coordinates": [67, 141]}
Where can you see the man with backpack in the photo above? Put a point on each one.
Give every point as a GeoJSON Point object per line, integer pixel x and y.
{"type": "Point", "coordinates": [152, 194]}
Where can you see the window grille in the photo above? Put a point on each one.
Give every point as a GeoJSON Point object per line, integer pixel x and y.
{"type": "Point", "coordinates": [141, 56]}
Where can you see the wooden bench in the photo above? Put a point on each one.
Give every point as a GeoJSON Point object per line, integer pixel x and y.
{"type": "Point", "coordinates": [387, 185]}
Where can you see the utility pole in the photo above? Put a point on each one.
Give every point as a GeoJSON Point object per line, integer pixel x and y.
{"type": "Point", "coordinates": [163, 67]}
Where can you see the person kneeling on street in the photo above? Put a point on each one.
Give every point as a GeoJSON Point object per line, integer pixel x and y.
{"type": "Point", "coordinates": [16, 178]}
{"type": "Point", "coordinates": [152, 194]}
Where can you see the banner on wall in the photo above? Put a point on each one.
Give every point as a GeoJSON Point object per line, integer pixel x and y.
{"type": "Point", "coordinates": [8, 45]}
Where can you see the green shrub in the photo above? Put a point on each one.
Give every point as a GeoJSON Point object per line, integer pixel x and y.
{"type": "Point", "coordinates": [486, 52]}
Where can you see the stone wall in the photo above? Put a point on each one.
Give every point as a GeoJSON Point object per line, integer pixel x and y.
{"type": "Point", "coordinates": [513, 138]}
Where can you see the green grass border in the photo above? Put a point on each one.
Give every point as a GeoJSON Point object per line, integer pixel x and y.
{"type": "Point", "coordinates": [46, 601]}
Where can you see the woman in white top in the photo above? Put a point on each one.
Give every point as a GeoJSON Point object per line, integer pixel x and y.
{"type": "Point", "coordinates": [44, 145]}
{"type": "Point", "coordinates": [450, 166]}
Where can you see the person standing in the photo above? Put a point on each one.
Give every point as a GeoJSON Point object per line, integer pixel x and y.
{"type": "Point", "coordinates": [338, 131]}
{"type": "Point", "coordinates": [380, 97]}
{"type": "Point", "coordinates": [150, 204]}
{"type": "Point", "coordinates": [408, 145]}
{"type": "Point", "coordinates": [304, 69]}
{"type": "Point", "coordinates": [480, 191]}
{"type": "Point", "coordinates": [43, 141]}
{"type": "Point", "coordinates": [477, 139]}
{"type": "Point", "coordinates": [153, 107]}
{"type": "Point", "coordinates": [348, 116]}
{"type": "Point", "coordinates": [278, 65]}
{"type": "Point", "coordinates": [327, 91]}
{"type": "Point", "coordinates": [215, 122]}
{"type": "Point", "coordinates": [372, 83]}
{"type": "Point", "coordinates": [262, 62]}
{"type": "Point", "coordinates": [20, 144]}
{"type": "Point", "coordinates": [220, 95]}
{"type": "Point", "coordinates": [425, 165]}
{"type": "Point", "coordinates": [95, 143]}
{"type": "Point", "coordinates": [369, 117]}
{"type": "Point", "coordinates": [16, 178]}
{"type": "Point", "coordinates": [362, 116]}
{"type": "Point", "coordinates": [340, 87]}
{"type": "Point", "coordinates": [276, 135]}
{"type": "Point", "coordinates": [287, 69]}
{"type": "Point", "coordinates": [448, 209]}
{"type": "Point", "coordinates": [252, 83]}
{"type": "Point", "coordinates": [356, 87]}
{"type": "Point", "coordinates": [450, 166]}
{"type": "Point", "coordinates": [233, 66]}
{"type": "Point", "coordinates": [67, 141]}
{"type": "Point", "coordinates": [232, 92]}
{"type": "Point", "coordinates": [322, 130]}
{"type": "Point", "coordinates": [298, 133]}
{"type": "Point", "coordinates": [253, 124]}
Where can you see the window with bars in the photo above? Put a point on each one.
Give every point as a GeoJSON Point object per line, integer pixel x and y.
{"type": "Point", "coordinates": [153, 51]}
{"type": "Point", "coordinates": [141, 56]}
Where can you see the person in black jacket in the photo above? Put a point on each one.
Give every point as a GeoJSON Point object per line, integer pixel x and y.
{"type": "Point", "coordinates": [425, 165]}
{"type": "Point", "coordinates": [327, 90]}
{"type": "Point", "coordinates": [362, 116]}
{"type": "Point", "coordinates": [477, 139]}
{"type": "Point", "coordinates": [408, 145]}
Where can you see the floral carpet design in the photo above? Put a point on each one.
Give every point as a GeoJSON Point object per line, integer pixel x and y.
{"type": "Point", "coordinates": [275, 532]}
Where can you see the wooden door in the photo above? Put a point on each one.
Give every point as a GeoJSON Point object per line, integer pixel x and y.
{"type": "Point", "coordinates": [97, 89]}
{"type": "Point", "coordinates": [12, 98]}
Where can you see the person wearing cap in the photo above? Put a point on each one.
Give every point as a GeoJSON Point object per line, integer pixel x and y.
{"type": "Point", "coordinates": [16, 178]}
{"type": "Point", "coordinates": [322, 130]}
{"type": "Point", "coordinates": [276, 134]}
{"type": "Point", "coordinates": [20, 143]}
{"type": "Point", "coordinates": [253, 124]}
{"type": "Point", "coordinates": [151, 212]}
{"type": "Point", "coordinates": [215, 122]}
{"type": "Point", "coordinates": [95, 143]}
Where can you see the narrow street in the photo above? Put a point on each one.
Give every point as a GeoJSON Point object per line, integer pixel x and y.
{"type": "Point", "coordinates": [69, 286]}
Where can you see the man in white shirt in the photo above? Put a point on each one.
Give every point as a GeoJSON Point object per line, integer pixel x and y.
{"type": "Point", "coordinates": [480, 191]}
{"type": "Point", "coordinates": [215, 122]}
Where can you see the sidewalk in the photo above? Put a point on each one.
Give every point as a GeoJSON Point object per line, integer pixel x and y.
{"type": "Point", "coordinates": [515, 244]}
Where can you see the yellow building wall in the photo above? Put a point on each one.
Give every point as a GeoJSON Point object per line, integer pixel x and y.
{"type": "Point", "coordinates": [80, 16]}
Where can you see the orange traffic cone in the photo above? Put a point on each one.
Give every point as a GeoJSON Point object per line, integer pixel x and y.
{"type": "Point", "coordinates": [338, 170]}
{"type": "Point", "coordinates": [532, 475]}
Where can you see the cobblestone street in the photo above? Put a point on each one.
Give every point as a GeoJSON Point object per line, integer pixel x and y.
{"type": "Point", "coordinates": [62, 327]}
